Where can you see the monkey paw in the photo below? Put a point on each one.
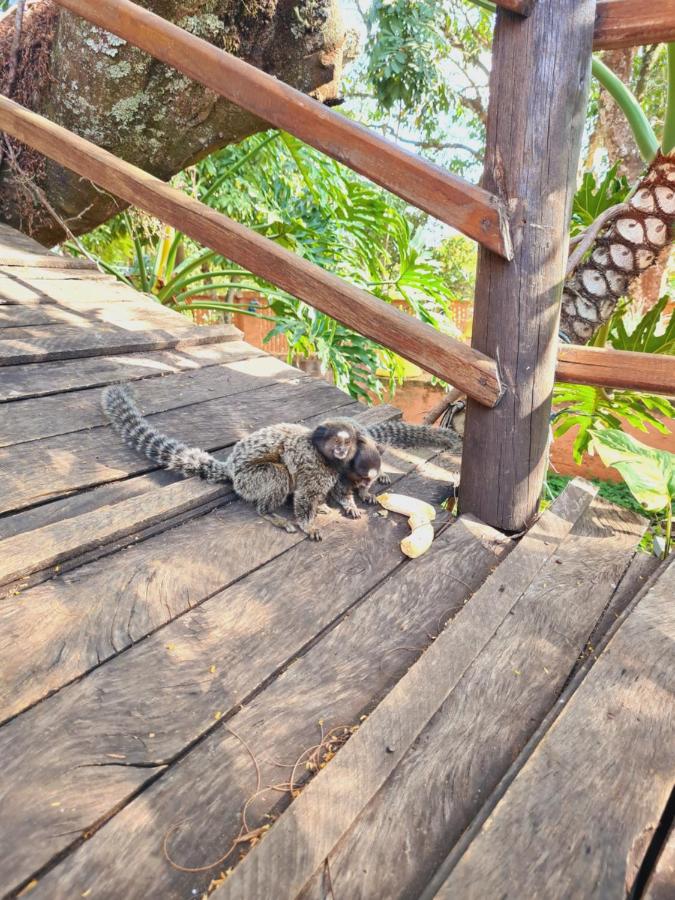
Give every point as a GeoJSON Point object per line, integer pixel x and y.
{"type": "Point", "coordinates": [384, 479]}
{"type": "Point", "coordinates": [314, 534]}
{"type": "Point", "coordinates": [353, 512]}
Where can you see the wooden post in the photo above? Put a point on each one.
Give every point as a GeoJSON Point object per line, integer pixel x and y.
{"type": "Point", "coordinates": [538, 91]}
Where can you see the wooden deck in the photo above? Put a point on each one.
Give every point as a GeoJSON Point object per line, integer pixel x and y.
{"type": "Point", "coordinates": [174, 671]}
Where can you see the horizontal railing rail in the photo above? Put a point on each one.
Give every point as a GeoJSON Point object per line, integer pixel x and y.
{"type": "Point", "coordinates": [468, 208]}
{"type": "Point", "coordinates": [631, 23]}
{"type": "Point", "coordinates": [606, 367]}
{"type": "Point", "coordinates": [416, 341]}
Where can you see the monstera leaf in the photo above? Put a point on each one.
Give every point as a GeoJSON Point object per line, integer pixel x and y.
{"type": "Point", "coordinates": [649, 474]}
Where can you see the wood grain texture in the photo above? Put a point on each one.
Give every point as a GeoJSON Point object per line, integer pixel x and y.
{"type": "Point", "coordinates": [47, 546]}
{"type": "Point", "coordinates": [28, 345]}
{"type": "Point", "coordinates": [314, 823]}
{"type": "Point", "coordinates": [627, 23]}
{"type": "Point", "coordinates": [468, 208]}
{"type": "Point", "coordinates": [517, 305]}
{"type": "Point", "coordinates": [17, 249]}
{"type": "Point", "coordinates": [44, 379]}
{"type": "Point", "coordinates": [59, 465]}
{"type": "Point", "coordinates": [592, 844]}
{"type": "Point", "coordinates": [337, 680]}
{"type": "Point", "coordinates": [479, 730]}
{"type": "Point", "coordinates": [34, 272]}
{"type": "Point", "coordinates": [30, 288]}
{"type": "Point", "coordinates": [606, 367]}
{"type": "Point", "coordinates": [90, 594]}
{"type": "Point", "coordinates": [97, 313]}
{"type": "Point", "coordinates": [43, 417]}
{"type": "Point", "coordinates": [146, 705]}
{"type": "Point", "coordinates": [440, 354]}
{"type": "Point", "coordinates": [662, 880]}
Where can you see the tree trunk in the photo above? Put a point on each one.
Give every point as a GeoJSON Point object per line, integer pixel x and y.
{"type": "Point", "coordinates": [100, 87]}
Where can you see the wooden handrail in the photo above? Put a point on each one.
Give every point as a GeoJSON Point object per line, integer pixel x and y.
{"type": "Point", "coordinates": [630, 23]}
{"type": "Point", "coordinates": [606, 367]}
{"type": "Point", "coordinates": [472, 210]}
{"type": "Point", "coordinates": [416, 341]}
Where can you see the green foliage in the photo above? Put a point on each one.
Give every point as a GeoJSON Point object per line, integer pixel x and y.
{"type": "Point", "coordinates": [312, 206]}
{"type": "Point", "coordinates": [404, 63]}
{"type": "Point", "coordinates": [592, 198]}
{"type": "Point", "coordinates": [457, 257]}
{"type": "Point", "coordinates": [594, 407]}
{"type": "Point", "coordinates": [648, 473]}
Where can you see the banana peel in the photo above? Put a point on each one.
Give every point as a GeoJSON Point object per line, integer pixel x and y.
{"type": "Point", "coordinates": [420, 516]}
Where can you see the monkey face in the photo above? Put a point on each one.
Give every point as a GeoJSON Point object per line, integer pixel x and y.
{"type": "Point", "coordinates": [335, 442]}
{"type": "Point", "coordinates": [366, 465]}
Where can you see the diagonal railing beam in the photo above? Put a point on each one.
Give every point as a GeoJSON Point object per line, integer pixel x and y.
{"type": "Point", "coordinates": [416, 341]}
{"type": "Point", "coordinates": [468, 208]}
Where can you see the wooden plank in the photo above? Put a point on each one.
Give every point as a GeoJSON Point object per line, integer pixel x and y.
{"type": "Point", "coordinates": [35, 550]}
{"type": "Point", "coordinates": [627, 23]}
{"type": "Point", "coordinates": [82, 294]}
{"type": "Point", "coordinates": [616, 736]}
{"type": "Point", "coordinates": [662, 880]}
{"type": "Point", "coordinates": [99, 313]}
{"type": "Point", "coordinates": [516, 306]}
{"type": "Point", "coordinates": [29, 273]}
{"type": "Point", "coordinates": [147, 705]}
{"type": "Point", "coordinates": [440, 354]}
{"type": "Point", "coordinates": [479, 730]}
{"type": "Point", "coordinates": [87, 593]}
{"type": "Point", "coordinates": [362, 767]}
{"type": "Point", "coordinates": [468, 208]}
{"type": "Point", "coordinates": [606, 367]}
{"type": "Point", "coordinates": [17, 249]}
{"type": "Point", "coordinates": [27, 345]}
{"type": "Point", "coordinates": [280, 723]}
{"type": "Point", "coordinates": [395, 462]}
{"type": "Point", "coordinates": [44, 379]}
{"type": "Point", "coordinates": [58, 465]}
{"type": "Point", "coordinates": [42, 417]}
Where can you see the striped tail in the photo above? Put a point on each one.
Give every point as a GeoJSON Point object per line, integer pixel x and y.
{"type": "Point", "coordinates": [402, 434]}
{"type": "Point", "coordinates": [126, 419]}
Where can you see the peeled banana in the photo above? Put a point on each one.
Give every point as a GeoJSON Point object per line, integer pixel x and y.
{"type": "Point", "coordinates": [420, 515]}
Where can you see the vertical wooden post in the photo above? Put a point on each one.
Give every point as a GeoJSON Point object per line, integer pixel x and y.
{"type": "Point", "coordinates": [538, 92]}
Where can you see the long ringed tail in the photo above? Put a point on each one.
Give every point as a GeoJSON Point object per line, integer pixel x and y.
{"type": "Point", "coordinates": [127, 420]}
{"type": "Point", "coordinates": [402, 434]}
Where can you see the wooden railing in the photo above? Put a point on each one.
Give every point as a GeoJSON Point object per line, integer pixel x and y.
{"type": "Point", "coordinates": [473, 210]}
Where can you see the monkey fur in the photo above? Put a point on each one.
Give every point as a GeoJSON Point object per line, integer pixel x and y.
{"type": "Point", "coordinates": [402, 434]}
{"type": "Point", "coordinates": [265, 467]}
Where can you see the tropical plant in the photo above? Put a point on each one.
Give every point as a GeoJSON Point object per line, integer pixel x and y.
{"type": "Point", "coordinates": [313, 206]}
{"type": "Point", "coordinates": [591, 408]}
{"type": "Point", "coordinates": [648, 473]}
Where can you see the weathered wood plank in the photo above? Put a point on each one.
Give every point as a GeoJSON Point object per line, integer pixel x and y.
{"type": "Point", "coordinates": [96, 314]}
{"type": "Point", "coordinates": [43, 379]}
{"type": "Point", "coordinates": [615, 740]}
{"type": "Point", "coordinates": [606, 367]}
{"type": "Point", "coordinates": [415, 340]}
{"type": "Point", "coordinates": [28, 345]}
{"type": "Point", "coordinates": [478, 731]}
{"type": "Point", "coordinates": [147, 705]}
{"type": "Point", "coordinates": [46, 295]}
{"type": "Point", "coordinates": [522, 7]}
{"type": "Point", "coordinates": [517, 305]}
{"type": "Point", "coordinates": [43, 417]}
{"type": "Point", "coordinates": [627, 23]}
{"type": "Point", "coordinates": [442, 677]}
{"type": "Point", "coordinates": [47, 546]}
{"type": "Point", "coordinates": [468, 208]}
{"type": "Point", "coordinates": [27, 678]}
{"type": "Point", "coordinates": [30, 273]}
{"type": "Point", "coordinates": [662, 880]}
{"type": "Point", "coordinates": [65, 463]}
{"type": "Point", "coordinates": [337, 680]}
{"type": "Point", "coordinates": [17, 249]}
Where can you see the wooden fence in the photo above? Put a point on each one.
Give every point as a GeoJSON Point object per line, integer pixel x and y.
{"type": "Point", "coordinates": [509, 370]}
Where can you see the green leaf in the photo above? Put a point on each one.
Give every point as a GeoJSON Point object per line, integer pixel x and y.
{"type": "Point", "coordinates": [649, 473]}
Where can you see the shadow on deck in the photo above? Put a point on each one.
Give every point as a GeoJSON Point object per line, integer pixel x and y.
{"type": "Point", "coordinates": [174, 670]}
